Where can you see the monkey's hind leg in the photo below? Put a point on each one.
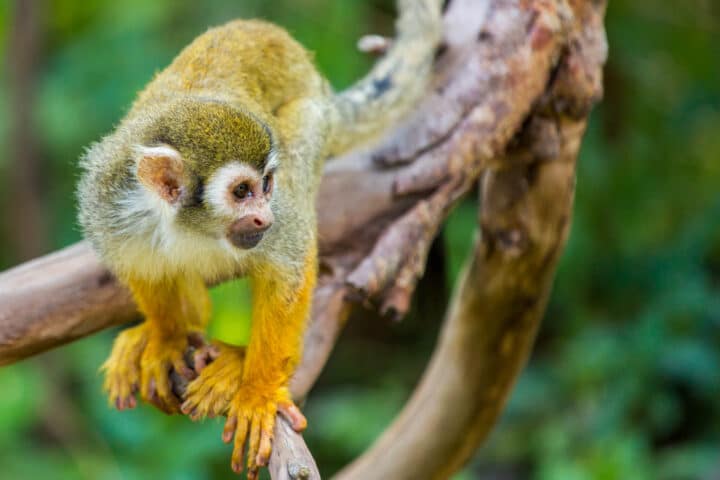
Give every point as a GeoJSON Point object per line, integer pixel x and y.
{"type": "Point", "coordinates": [143, 357]}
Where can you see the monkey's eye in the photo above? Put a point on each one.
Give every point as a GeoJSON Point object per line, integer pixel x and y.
{"type": "Point", "coordinates": [242, 191]}
{"type": "Point", "coordinates": [267, 182]}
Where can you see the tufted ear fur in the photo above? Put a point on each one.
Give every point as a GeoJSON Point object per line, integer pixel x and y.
{"type": "Point", "coordinates": [161, 170]}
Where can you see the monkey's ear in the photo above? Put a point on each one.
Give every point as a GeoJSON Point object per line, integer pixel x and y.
{"type": "Point", "coordinates": [162, 171]}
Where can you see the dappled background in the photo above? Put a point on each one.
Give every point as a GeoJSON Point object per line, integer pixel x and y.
{"type": "Point", "coordinates": [625, 379]}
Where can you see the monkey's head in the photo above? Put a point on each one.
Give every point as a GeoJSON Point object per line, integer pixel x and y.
{"type": "Point", "coordinates": [210, 167]}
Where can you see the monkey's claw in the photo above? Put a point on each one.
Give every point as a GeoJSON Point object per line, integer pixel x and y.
{"type": "Point", "coordinates": [141, 361]}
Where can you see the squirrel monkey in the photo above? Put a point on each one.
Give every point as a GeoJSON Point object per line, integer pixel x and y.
{"type": "Point", "coordinates": [213, 173]}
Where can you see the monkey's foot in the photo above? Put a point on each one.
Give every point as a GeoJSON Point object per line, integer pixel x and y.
{"type": "Point", "coordinates": [251, 420]}
{"type": "Point", "coordinates": [141, 360]}
{"type": "Point", "coordinates": [220, 369]}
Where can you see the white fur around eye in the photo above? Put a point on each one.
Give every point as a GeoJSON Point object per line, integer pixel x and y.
{"type": "Point", "coordinates": [216, 192]}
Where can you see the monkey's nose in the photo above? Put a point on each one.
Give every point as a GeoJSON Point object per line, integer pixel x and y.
{"type": "Point", "coordinates": [260, 223]}
{"type": "Point", "coordinates": [247, 231]}
{"type": "Point", "coordinates": [250, 224]}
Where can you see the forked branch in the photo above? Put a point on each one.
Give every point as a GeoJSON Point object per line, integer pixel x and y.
{"type": "Point", "coordinates": [525, 211]}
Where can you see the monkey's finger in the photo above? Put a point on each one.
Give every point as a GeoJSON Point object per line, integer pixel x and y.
{"type": "Point", "coordinates": [120, 389]}
{"type": "Point", "coordinates": [187, 407]}
{"type": "Point", "coordinates": [266, 439]}
{"type": "Point", "coordinates": [213, 351]}
{"type": "Point", "coordinates": [170, 402]}
{"type": "Point", "coordinates": [125, 403]}
{"type": "Point", "coordinates": [182, 369]}
{"type": "Point", "coordinates": [191, 405]}
{"type": "Point", "coordinates": [152, 394]}
{"type": "Point", "coordinates": [153, 397]}
{"type": "Point", "coordinates": [204, 356]}
{"type": "Point", "coordinates": [200, 360]}
{"type": "Point", "coordinates": [253, 442]}
{"type": "Point", "coordinates": [195, 390]}
{"type": "Point", "coordinates": [239, 446]}
{"type": "Point", "coordinates": [293, 415]}
{"type": "Point", "coordinates": [148, 391]}
{"type": "Point", "coordinates": [229, 429]}
{"type": "Point", "coordinates": [218, 406]}
{"type": "Point", "coordinates": [193, 410]}
{"type": "Point", "coordinates": [158, 401]}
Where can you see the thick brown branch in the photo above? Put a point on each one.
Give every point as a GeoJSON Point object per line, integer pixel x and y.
{"type": "Point", "coordinates": [490, 324]}
{"type": "Point", "coordinates": [526, 207]}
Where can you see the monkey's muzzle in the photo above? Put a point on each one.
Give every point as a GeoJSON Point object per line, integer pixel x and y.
{"type": "Point", "coordinates": [246, 241]}
{"type": "Point", "coordinates": [247, 232]}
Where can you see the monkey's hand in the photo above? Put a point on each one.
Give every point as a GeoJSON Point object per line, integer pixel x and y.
{"type": "Point", "coordinates": [251, 410]}
{"type": "Point", "coordinates": [141, 360]}
{"type": "Point", "coordinates": [220, 368]}
{"type": "Point", "coordinates": [251, 420]}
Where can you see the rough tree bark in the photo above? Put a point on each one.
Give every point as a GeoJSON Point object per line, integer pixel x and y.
{"type": "Point", "coordinates": [524, 216]}
{"type": "Point", "coordinates": [512, 90]}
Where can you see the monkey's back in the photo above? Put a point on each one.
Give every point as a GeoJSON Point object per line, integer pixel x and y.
{"type": "Point", "coordinates": [250, 63]}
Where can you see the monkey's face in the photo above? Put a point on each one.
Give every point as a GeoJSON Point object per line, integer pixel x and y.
{"type": "Point", "coordinates": [242, 194]}
{"type": "Point", "coordinates": [212, 167]}
{"type": "Point", "coordinates": [233, 204]}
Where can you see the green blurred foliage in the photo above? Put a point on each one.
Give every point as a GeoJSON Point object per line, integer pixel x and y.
{"type": "Point", "coordinates": [625, 379]}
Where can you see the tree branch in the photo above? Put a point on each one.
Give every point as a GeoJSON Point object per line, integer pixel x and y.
{"type": "Point", "coordinates": [501, 103]}
{"type": "Point", "coordinates": [526, 206]}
